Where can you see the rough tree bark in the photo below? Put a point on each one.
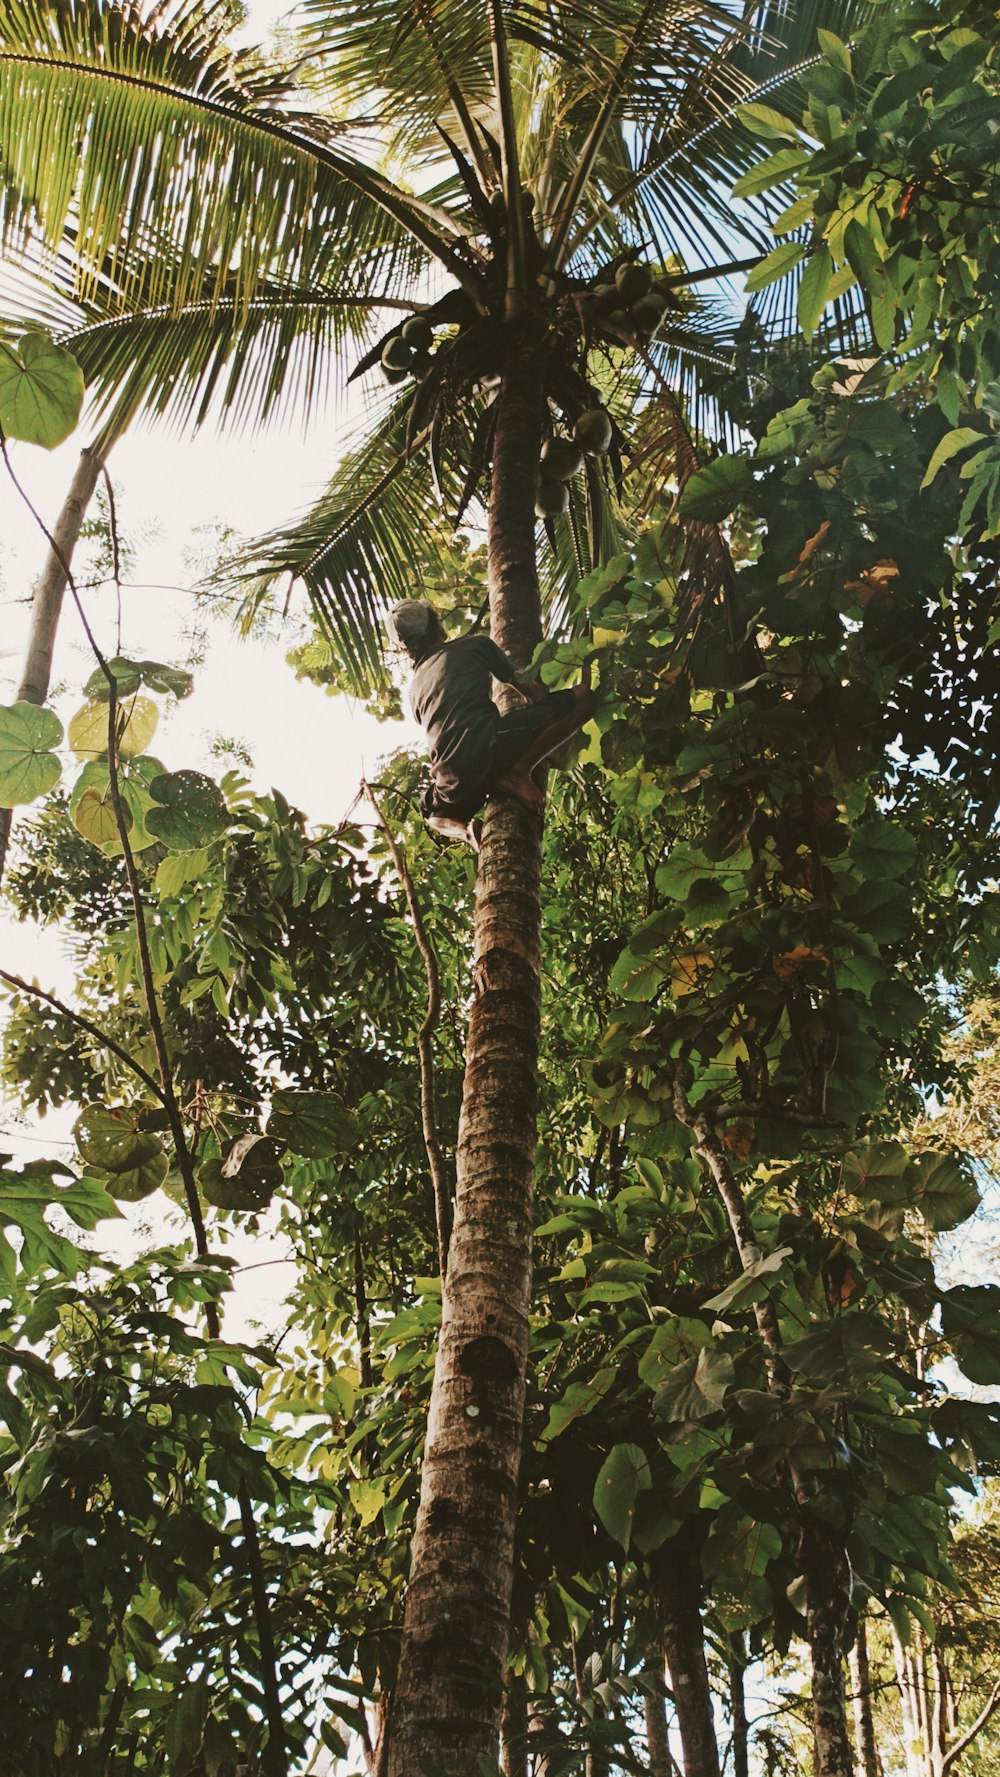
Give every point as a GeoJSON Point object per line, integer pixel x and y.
{"type": "Point", "coordinates": [658, 1752]}
{"type": "Point", "coordinates": [46, 606]}
{"type": "Point", "coordinates": [450, 1688]}
{"type": "Point", "coordinates": [679, 1584]}
{"type": "Point", "coordinates": [869, 1764]}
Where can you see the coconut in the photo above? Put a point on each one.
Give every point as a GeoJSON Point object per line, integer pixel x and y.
{"type": "Point", "coordinates": [561, 459]}
{"type": "Point", "coordinates": [593, 431]}
{"type": "Point", "coordinates": [633, 281]}
{"type": "Point", "coordinates": [551, 497]}
{"type": "Point", "coordinates": [647, 312]}
{"type": "Point", "coordinates": [396, 354]}
{"type": "Point", "coordinates": [394, 376]}
{"type": "Point", "coordinates": [418, 333]}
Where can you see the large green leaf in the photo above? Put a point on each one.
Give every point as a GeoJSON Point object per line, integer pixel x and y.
{"type": "Point", "coordinates": [189, 810]}
{"type": "Point", "coordinates": [580, 1399]}
{"type": "Point", "coordinates": [845, 1352]}
{"type": "Point", "coordinates": [28, 766]}
{"type": "Point", "coordinates": [136, 719]}
{"type": "Point", "coordinates": [675, 1341]}
{"type": "Point", "coordinates": [624, 1475]}
{"type": "Point", "coordinates": [41, 391]}
{"type": "Point", "coordinates": [248, 1176]}
{"type": "Point", "coordinates": [970, 1320]}
{"type": "Point", "coordinates": [130, 1157]}
{"type": "Point", "coordinates": [696, 1387]}
{"type": "Point", "coordinates": [944, 1190]}
{"type": "Point", "coordinates": [171, 681]}
{"type": "Point", "coordinates": [111, 1137]}
{"type": "Point", "coordinates": [714, 492]}
{"type": "Point", "coordinates": [314, 1124]}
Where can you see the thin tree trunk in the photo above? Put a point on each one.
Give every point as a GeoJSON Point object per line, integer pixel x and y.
{"type": "Point", "coordinates": [911, 1724]}
{"type": "Point", "coordinates": [658, 1753]}
{"type": "Point", "coordinates": [738, 1711]}
{"type": "Point", "coordinates": [864, 1721]}
{"type": "Point", "coordinates": [514, 1729]}
{"type": "Point", "coordinates": [680, 1591]}
{"type": "Point", "coordinates": [825, 1566]}
{"type": "Point", "coordinates": [46, 606]}
{"type": "Point", "coordinates": [450, 1687]}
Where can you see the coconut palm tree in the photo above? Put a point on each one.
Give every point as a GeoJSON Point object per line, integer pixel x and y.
{"type": "Point", "coordinates": [517, 210]}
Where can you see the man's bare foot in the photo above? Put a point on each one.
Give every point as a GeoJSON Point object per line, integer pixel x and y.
{"type": "Point", "coordinates": [469, 832]}
{"type": "Point", "coordinates": [523, 789]}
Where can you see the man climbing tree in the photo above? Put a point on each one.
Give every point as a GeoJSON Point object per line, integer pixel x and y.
{"type": "Point", "coordinates": [475, 751]}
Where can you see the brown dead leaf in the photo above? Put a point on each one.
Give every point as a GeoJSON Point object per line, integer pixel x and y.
{"type": "Point", "coordinates": [792, 962]}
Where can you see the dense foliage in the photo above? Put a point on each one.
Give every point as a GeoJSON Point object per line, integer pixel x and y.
{"type": "Point", "coordinates": [771, 899]}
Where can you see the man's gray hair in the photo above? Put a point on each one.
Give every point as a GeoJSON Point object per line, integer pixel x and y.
{"type": "Point", "coordinates": [412, 622]}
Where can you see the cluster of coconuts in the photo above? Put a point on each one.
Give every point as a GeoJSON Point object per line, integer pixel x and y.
{"type": "Point", "coordinates": [408, 352]}
{"type": "Point", "coordinates": [562, 458]}
{"type": "Point", "coordinates": [631, 302]}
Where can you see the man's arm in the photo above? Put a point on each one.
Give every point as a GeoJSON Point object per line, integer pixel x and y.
{"type": "Point", "coordinates": [530, 689]}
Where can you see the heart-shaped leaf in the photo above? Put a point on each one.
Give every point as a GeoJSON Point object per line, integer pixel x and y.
{"type": "Point", "coordinates": [132, 1159]}
{"type": "Point", "coordinates": [623, 1477]}
{"type": "Point", "coordinates": [712, 493]}
{"type": "Point", "coordinates": [28, 765]}
{"type": "Point", "coordinates": [696, 1387]}
{"type": "Point", "coordinates": [171, 681]}
{"type": "Point", "coordinates": [137, 718]}
{"type": "Point", "coordinates": [248, 1177]}
{"type": "Point", "coordinates": [189, 810]}
{"type": "Point", "coordinates": [41, 391]}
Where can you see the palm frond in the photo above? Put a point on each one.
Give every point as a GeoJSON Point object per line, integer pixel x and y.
{"type": "Point", "coordinates": [430, 60]}
{"type": "Point", "coordinates": [689, 145]}
{"type": "Point", "coordinates": [142, 134]}
{"type": "Point", "coordinates": [242, 363]}
{"type": "Point", "coordinates": [373, 538]}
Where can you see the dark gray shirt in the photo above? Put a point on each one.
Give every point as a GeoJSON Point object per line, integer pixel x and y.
{"type": "Point", "coordinates": [450, 698]}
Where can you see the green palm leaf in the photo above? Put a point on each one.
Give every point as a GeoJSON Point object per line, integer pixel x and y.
{"type": "Point", "coordinates": [375, 537]}
{"type": "Point", "coordinates": [243, 363]}
{"type": "Point", "coordinates": [173, 153]}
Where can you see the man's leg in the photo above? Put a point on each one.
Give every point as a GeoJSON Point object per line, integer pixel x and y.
{"type": "Point", "coordinates": [468, 831]}
{"type": "Point", "coordinates": [516, 780]}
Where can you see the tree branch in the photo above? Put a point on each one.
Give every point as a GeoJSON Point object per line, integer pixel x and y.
{"type": "Point", "coordinates": [86, 1024]}
{"type": "Point", "coordinates": [956, 1751]}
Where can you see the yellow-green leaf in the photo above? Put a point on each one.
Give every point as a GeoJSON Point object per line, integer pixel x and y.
{"type": "Point", "coordinates": [28, 766]}
{"type": "Point", "coordinates": [41, 391]}
{"type": "Point", "coordinates": [958, 439]}
{"type": "Point", "coordinates": [135, 726]}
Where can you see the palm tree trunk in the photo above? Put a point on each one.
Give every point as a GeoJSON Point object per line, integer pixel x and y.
{"type": "Point", "coordinates": [455, 1631]}
{"type": "Point", "coordinates": [46, 607]}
